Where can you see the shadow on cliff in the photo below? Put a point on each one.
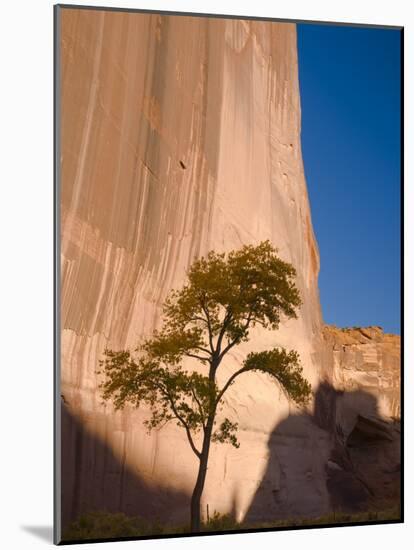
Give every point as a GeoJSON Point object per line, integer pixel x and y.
{"type": "Point", "coordinates": [343, 458]}
{"type": "Point", "coordinates": [93, 479]}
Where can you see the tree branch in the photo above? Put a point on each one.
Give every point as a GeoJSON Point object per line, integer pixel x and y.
{"type": "Point", "coordinates": [209, 329]}
{"type": "Point", "coordinates": [237, 339]}
{"type": "Point", "coordinates": [226, 321]}
{"type": "Point", "coordinates": [187, 429]}
{"type": "Point", "coordinates": [200, 408]}
{"type": "Point", "coordinates": [229, 382]}
{"type": "Point", "coordinates": [203, 349]}
{"type": "Point", "coordinates": [228, 348]}
{"type": "Point", "coordinates": [196, 318]}
{"type": "Point", "coordinates": [181, 419]}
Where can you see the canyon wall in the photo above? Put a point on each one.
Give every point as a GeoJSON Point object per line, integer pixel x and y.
{"type": "Point", "coordinates": [349, 442]}
{"type": "Point", "coordinates": [369, 359]}
{"type": "Point", "coordinates": [180, 135]}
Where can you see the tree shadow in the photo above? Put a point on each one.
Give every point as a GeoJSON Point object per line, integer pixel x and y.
{"type": "Point", "coordinates": [343, 458]}
{"type": "Point", "coordinates": [94, 479]}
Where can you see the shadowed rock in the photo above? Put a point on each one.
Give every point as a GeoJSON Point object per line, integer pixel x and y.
{"type": "Point", "coordinates": [343, 458]}
{"type": "Point", "coordinates": [180, 135]}
{"type": "Point", "coordinates": [94, 479]}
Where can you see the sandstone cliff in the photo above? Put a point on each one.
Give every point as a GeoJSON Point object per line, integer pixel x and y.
{"type": "Point", "coordinates": [366, 358]}
{"type": "Point", "coordinates": [181, 135]}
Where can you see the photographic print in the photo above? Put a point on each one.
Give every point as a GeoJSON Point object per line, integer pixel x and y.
{"type": "Point", "coordinates": [228, 265]}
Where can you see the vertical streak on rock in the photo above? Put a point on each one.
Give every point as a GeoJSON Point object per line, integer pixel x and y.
{"type": "Point", "coordinates": [86, 134]}
{"type": "Point", "coordinates": [179, 135]}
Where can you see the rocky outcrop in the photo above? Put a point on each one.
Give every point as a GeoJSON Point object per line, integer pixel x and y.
{"type": "Point", "coordinates": [344, 455]}
{"type": "Point", "coordinates": [181, 135]}
{"type": "Point", "coordinates": [365, 464]}
{"type": "Point", "coordinates": [368, 359]}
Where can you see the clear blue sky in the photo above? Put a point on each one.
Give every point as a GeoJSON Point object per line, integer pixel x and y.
{"type": "Point", "coordinates": [350, 97]}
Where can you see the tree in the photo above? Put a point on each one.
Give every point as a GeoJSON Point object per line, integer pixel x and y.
{"type": "Point", "coordinates": [223, 298]}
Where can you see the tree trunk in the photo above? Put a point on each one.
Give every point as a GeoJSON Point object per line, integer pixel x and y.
{"type": "Point", "coordinates": [202, 470]}
{"type": "Point", "coordinates": [201, 478]}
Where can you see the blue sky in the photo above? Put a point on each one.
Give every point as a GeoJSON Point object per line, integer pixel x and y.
{"type": "Point", "coordinates": [350, 96]}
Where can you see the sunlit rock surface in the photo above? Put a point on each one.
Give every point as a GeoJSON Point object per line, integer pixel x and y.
{"type": "Point", "coordinates": [344, 455]}
{"type": "Point", "coordinates": [369, 359]}
{"type": "Point", "coordinates": [181, 135]}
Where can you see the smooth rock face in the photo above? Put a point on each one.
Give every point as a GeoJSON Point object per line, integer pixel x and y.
{"type": "Point", "coordinates": [181, 135]}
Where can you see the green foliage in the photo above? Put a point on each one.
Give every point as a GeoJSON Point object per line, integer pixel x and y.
{"type": "Point", "coordinates": [284, 367]}
{"type": "Point", "coordinates": [221, 522]}
{"type": "Point", "coordinates": [226, 522]}
{"type": "Point", "coordinates": [226, 432]}
{"type": "Point", "coordinates": [252, 283]}
{"type": "Point", "coordinates": [99, 525]}
{"type": "Point", "coordinates": [224, 297]}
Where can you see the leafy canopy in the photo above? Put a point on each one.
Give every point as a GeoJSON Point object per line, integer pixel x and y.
{"type": "Point", "coordinates": [223, 298]}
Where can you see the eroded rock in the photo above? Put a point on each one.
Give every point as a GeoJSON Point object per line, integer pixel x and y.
{"type": "Point", "coordinates": [181, 135]}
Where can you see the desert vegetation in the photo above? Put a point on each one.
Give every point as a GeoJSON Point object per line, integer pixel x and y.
{"type": "Point", "coordinates": [104, 525]}
{"type": "Point", "coordinates": [223, 298]}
